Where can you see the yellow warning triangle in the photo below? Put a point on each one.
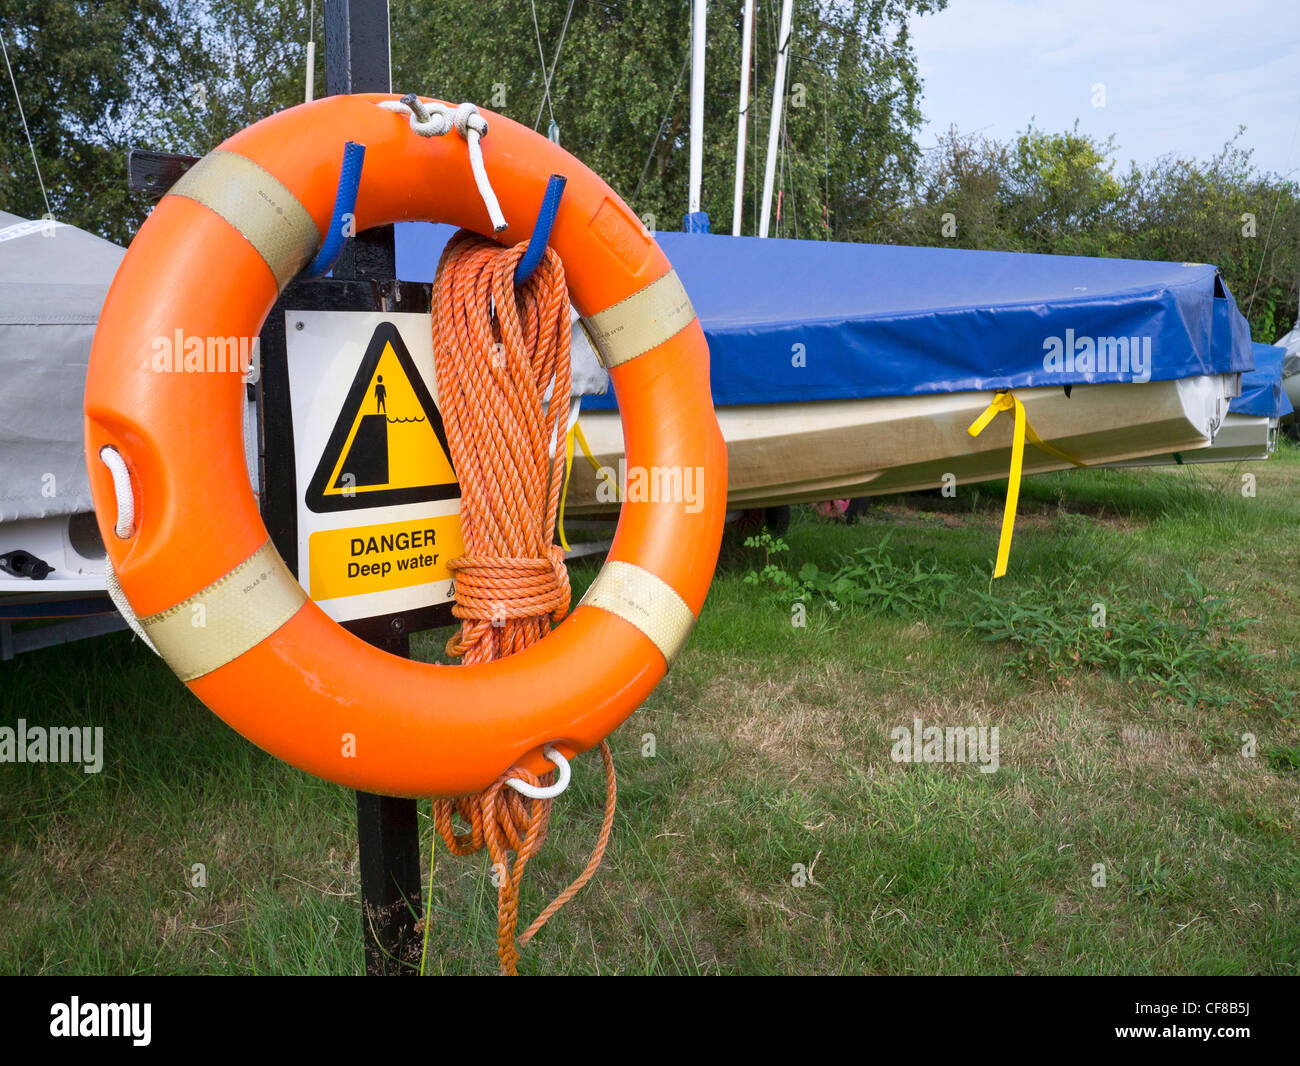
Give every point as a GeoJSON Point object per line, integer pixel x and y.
{"type": "Point", "coordinates": [388, 445]}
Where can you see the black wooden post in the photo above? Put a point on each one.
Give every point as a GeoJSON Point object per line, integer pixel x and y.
{"type": "Point", "coordinates": [357, 61]}
{"type": "Point", "coordinates": [386, 827]}
{"type": "Point", "coordinates": [356, 47]}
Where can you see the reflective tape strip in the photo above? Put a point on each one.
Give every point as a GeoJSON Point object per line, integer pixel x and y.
{"type": "Point", "coordinates": [647, 601]}
{"type": "Point", "coordinates": [256, 203]}
{"type": "Point", "coordinates": [235, 613]}
{"type": "Point", "coordinates": [641, 322]}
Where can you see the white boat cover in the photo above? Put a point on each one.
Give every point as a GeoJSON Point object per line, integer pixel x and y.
{"type": "Point", "coordinates": [53, 280]}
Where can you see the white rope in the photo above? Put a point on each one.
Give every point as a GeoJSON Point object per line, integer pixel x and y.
{"type": "Point", "coordinates": [432, 119]}
{"type": "Point", "coordinates": [110, 457]}
{"type": "Point", "coordinates": [549, 791]}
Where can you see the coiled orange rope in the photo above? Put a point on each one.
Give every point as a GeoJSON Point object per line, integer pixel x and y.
{"type": "Point", "coordinates": [498, 349]}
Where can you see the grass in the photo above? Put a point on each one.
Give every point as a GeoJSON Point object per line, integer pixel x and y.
{"type": "Point", "coordinates": [771, 832]}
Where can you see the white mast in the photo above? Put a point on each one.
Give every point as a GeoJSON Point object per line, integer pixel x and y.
{"type": "Point", "coordinates": [778, 101]}
{"type": "Point", "coordinates": [311, 54]}
{"type": "Point", "coordinates": [697, 103]}
{"type": "Point", "coordinates": [745, 54]}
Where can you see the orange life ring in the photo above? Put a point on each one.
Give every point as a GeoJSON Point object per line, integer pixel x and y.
{"type": "Point", "coordinates": [209, 262]}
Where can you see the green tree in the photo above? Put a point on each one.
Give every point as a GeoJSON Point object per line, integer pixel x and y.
{"type": "Point", "coordinates": [1059, 194]}
{"type": "Point", "coordinates": [229, 63]}
{"type": "Point", "coordinates": [1222, 211]}
{"type": "Point", "coordinates": [961, 200]}
{"type": "Point", "coordinates": [620, 97]}
{"type": "Point", "coordinates": [100, 76]}
{"type": "Point", "coordinates": [1061, 191]}
{"type": "Point", "coordinates": [81, 67]}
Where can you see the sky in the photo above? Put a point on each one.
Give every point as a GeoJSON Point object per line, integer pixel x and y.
{"type": "Point", "coordinates": [1179, 76]}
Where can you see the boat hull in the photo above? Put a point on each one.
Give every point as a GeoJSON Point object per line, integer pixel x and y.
{"type": "Point", "coordinates": [801, 453]}
{"type": "Point", "coordinates": [1241, 437]}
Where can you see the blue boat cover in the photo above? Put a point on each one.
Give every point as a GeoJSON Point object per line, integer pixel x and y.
{"type": "Point", "coordinates": [797, 321]}
{"type": "Point", "coordinates": [1261, 389]}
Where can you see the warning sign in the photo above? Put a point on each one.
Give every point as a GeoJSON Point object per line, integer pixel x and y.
{"type": "Point", "coordinates": [388, 445]}
{"type": "Point", "coordinates": [350, 562]}
{"type": "Point", "coordinates": [378, 503]}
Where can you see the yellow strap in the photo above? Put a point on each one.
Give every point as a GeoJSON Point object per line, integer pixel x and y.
{"type": "Point", "coordinates": [1008, 401]}
{"type": "Point", "coordinates": [576, 433]}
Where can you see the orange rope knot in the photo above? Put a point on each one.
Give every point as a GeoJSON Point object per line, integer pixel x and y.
{"type": "Point", "coordinates": [493, 590]}
{"type": "Point", "coordinates": [502, 361]}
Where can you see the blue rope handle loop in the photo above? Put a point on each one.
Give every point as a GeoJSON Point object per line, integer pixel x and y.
{"type": "Point", "coordinates": [345, 203]}
{"type": "Point", "coordinates": [541, 229]}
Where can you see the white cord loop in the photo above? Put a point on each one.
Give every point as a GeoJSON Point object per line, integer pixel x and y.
{"type": "Point", "coordinates": [429, 118]}
{"type": "Point", "coordinates": [111, 458]}
{"type": "Point", "coordinates": [549, 791]}
{"type": "Point", "coordinates": [467, 118]}
{"type": "Point", "coordinates": [108, 455]}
